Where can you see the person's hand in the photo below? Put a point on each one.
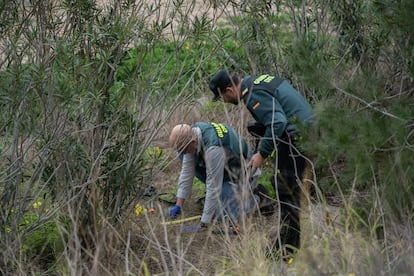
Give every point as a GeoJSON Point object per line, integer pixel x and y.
{"type": "Point", "coordinates": [175, 211]}
{"type": "Point", "coordinates": [256, 161]}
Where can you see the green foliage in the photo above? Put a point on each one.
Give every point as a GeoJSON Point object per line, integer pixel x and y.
{"type": "Point", "coordinates": [198, 192]}
{"type": "Point", "coordinates": [177, 67]}
{"type": "Point", "coordinates": [261, 34]}
{"type": "Point", "coordinates": [351, 16]}
{"type": "Point", "coordinates": [124, 179]}
{"type": "Point", "coordinates": [155, 154]}
{"type": "Point", "coordinates": [199, 189]}
{"type": "Point", "coordinates": [43, 242]}
{"type": "Point", "coordinates": [312, 64]}
{"type": "Point", "coordinates": [361, 147]}
{"type": "Point", "coordinates": [266, 179]}
{"type": "Point", "coordinates": [396, 21]}
{"type": "Point", "coordinates": [211, 109]}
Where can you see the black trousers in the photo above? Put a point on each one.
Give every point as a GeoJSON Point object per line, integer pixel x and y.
{"type": "Point", "coordinates": [290, 164]}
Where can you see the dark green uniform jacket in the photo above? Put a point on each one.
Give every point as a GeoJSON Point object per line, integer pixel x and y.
{"type": "Point", "coordinates": [273, 102]}
{"type": "Point", "coordinates": [217, 164]}
{"type": "Point", "coordinates": [221, 135]}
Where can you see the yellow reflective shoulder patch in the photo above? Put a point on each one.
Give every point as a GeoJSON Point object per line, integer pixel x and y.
{"type": "Point", "coordinates": [220, 129]}
{"type": "Point", "coordinates": [256, 106]}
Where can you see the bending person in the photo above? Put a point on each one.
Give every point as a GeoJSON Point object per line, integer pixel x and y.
{"type": "Point", "coordinates": [215, 154]}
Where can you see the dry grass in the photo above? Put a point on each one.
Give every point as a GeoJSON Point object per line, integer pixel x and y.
{"type": "Point", "coordinates": [328, 249]}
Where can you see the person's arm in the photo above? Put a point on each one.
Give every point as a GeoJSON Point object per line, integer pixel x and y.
{"type": "Point", "coordinates": [267, 110]}
{"type": "Point", "coordinates": [185, 181]}
{"type": "Point", "coordinates": [215, 161]}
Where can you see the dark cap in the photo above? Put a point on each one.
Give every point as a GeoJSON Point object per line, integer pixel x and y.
{"type": "Point", "coordinates": [219, 83]}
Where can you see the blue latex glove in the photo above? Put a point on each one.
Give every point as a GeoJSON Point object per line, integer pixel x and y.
{"type": "Point", "coordinates": [175, 211]}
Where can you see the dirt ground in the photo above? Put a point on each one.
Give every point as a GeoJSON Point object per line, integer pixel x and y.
{"type": "Point", "coordinates": [165, 249]}
{"type": "Point", "coordinates": [170, 249]}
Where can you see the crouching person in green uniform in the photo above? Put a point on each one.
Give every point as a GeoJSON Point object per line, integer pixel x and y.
{"type": "Point", "coordinates": [216, 155]}
{"type": "Point", "coordinates": [280, 109]}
